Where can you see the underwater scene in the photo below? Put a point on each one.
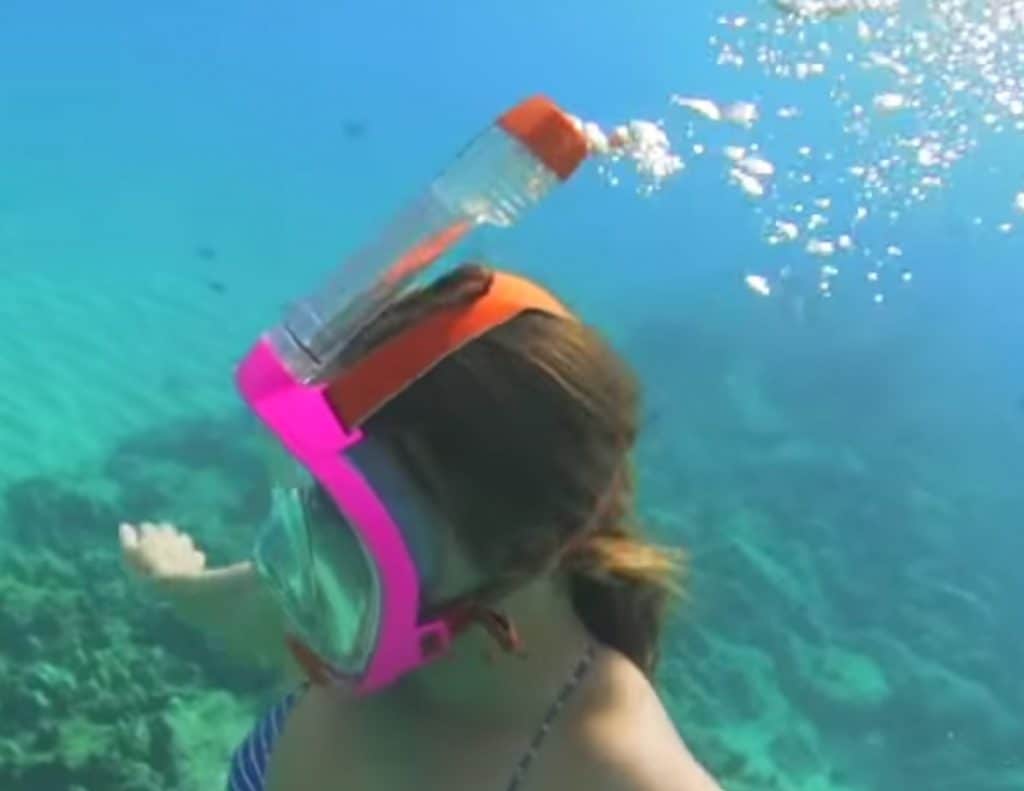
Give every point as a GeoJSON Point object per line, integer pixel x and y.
{"type": "Point", "coordinates": [802, 222]}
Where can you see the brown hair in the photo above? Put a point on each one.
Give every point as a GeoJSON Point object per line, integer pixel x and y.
{"type": "Point", "coordinates": [531, 428]}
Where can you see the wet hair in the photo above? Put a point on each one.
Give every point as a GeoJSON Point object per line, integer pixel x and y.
{"type": "Point", "coordinates": [531, 427]}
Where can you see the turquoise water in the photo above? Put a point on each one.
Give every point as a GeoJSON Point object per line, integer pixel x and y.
{"type": "Point", "coordinates": [842, 461]}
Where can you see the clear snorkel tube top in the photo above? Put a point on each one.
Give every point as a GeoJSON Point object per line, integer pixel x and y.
{"type": "Point", "coordinates": [502, 173]}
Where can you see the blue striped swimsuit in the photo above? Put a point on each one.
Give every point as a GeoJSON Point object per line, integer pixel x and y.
{"type": "Point", "coordinates": [249, 763]}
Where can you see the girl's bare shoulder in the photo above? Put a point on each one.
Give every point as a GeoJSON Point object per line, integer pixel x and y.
{"type": "Point", "coordinates": [624, 737]}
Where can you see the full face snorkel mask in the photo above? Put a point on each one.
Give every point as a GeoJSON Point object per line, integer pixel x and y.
{"type": "Point", "coordinates": [337, 551]}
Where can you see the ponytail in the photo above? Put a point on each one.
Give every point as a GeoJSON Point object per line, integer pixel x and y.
{"type": "Point", "coordinates": [621, 587]}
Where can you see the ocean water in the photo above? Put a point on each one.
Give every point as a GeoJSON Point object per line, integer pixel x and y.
{"type": "Point", "coordinates": [823, 303]}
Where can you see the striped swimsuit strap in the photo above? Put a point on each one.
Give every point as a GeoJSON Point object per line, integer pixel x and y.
{"type": "Point", "coordinates": [552, 714]}
{"type": "Point", "coordinates": [249, 764]}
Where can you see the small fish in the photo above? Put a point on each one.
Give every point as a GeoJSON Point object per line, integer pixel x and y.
{"type": "Point", "coordinates": [216, 286]}
{"type": "Point", "coordinates": [206, 252]}
{"type": "Point", "coordinates": [354, 129]}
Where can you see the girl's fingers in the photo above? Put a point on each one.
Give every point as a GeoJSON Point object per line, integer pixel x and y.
{"type": "Point", "coordinates": [129, 537]}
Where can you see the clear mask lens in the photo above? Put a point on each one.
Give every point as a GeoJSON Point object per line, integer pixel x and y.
{"type": "Point", "coordinates": [316, 565]}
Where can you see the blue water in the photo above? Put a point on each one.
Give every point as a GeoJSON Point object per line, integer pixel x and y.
{"type": "Point", "coordinates": [846, 474]}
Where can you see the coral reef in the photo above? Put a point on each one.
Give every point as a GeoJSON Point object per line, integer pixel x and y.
{"type": "Point", "coordinates": [101, 687]}
{"type": "Point", "coordinates": [843, 629]}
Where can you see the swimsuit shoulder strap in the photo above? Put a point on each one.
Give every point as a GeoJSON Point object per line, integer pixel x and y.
{"type": "Point", "coordinates": [554, 710]}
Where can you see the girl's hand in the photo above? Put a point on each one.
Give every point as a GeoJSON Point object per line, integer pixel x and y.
{"type": "Point", "coordinates": [160, 552]}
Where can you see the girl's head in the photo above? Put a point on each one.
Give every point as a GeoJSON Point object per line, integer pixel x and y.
{"type": "Point", "coordinates": [521, 442]}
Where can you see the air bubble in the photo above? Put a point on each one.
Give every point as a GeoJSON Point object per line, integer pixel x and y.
{"type": "Point", "coordinates": [821, 247]}
{"type": "Point", "coordinates": [929, 73]}
{"type": "Point", "coordinates": [759, 285]}
{"type": "Point", "coordinates": [890, 102]}
{"type": "Point", "coordinates": [756, 166]}
{"type": "Point", "coordinates": [750, 185]}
